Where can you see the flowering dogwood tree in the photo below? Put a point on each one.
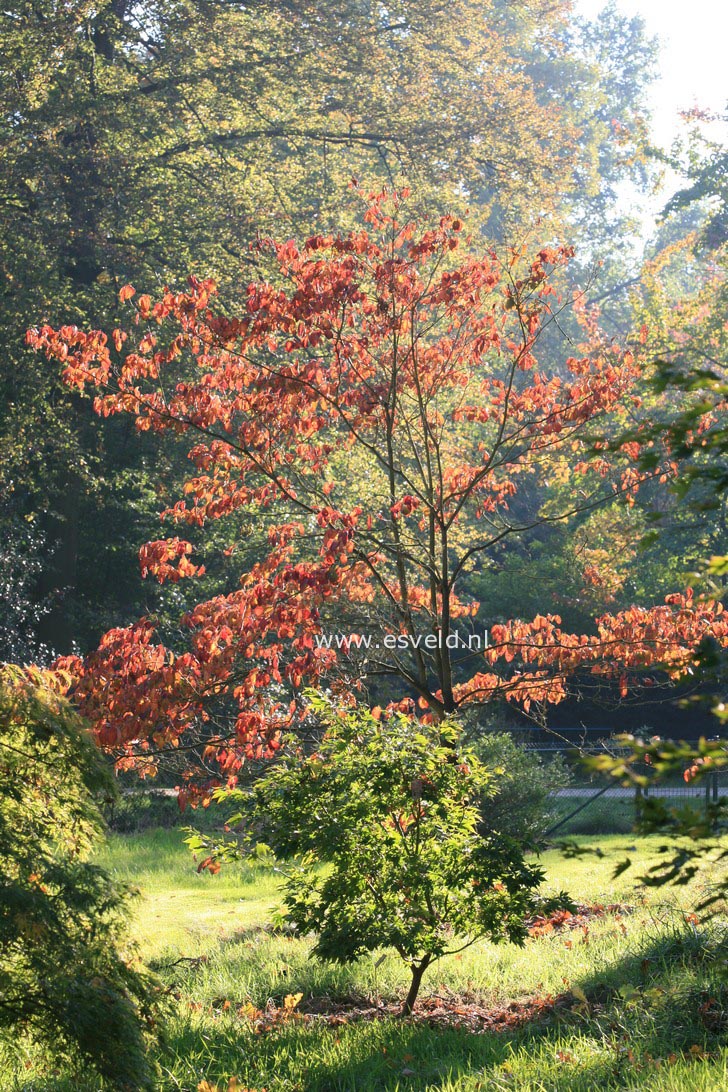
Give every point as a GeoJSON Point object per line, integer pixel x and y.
{"type": "Point", "coordinates": [384, 400]}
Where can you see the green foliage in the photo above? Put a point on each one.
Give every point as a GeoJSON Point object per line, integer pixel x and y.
{"type": "Point", "coordinates": [681, 304]}
{"type": "Point", "coordinates": [520, 803]}
{"type": "Point", "coordinates": [392, 812]}
{"type": "Point", "coordinates": [695, 844]}
{"type": "Point", "coordinates": [704, 163]}
{"type": "Point", "coordinates": [62, 974]}
{"type": "Point", "coordinates": [21, 560]}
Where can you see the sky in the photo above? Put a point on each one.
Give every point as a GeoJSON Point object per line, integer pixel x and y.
{"type": "Point", "coordinates": [693, 65]}
{"type": "Point", "coordinates": [693, 36]}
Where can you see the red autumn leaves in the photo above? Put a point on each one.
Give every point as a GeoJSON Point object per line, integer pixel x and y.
{"type": "Point", "coordinates": [384, 398]}
{"type": "Point", "coordinates": [168, 559]}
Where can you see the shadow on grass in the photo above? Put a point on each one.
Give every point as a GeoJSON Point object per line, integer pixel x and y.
{"type": "Point", "coordinates": [669, 996]}
{"type": "Point", "coordinates": [362, 1055]}
{"type": "Point", "coordinates": [664, 1001]}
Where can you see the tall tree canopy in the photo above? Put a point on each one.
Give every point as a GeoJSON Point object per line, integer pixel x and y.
{"type": "Point", "coordinates": [143, 140]}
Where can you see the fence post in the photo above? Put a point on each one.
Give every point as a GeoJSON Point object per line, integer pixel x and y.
{"type": "Point", "coordinates": [639, 796]}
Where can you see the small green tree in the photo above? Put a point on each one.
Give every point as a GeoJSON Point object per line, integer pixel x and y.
{"type": "Point", "coordinates": [391, 810]}
{"type": "Point", "coordinates": [62, 974]}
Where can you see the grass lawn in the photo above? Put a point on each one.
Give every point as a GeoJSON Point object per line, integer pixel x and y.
{"type": "Point", "coordinates": [655, 1014]}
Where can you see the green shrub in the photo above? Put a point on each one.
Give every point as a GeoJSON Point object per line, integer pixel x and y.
{"type": "Point", "coordinates": [392, 810]}
{"type": "Point", "coordinates": [523, 804]}
{"type": "Point", "coordinates": [149, 809]}
{"type": "Point", "coordinates": [137, 811]}
{"type": "Point", "coordinates": [62, 975]}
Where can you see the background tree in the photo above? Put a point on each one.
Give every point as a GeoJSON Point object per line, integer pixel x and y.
{"type": "Point", "coordinates": [679, 306]}
{"type": "Point", "coordinates": [681, 301]}
{"type": "Point", "coordinates": [21, 560]}
{"type": "Point", "coordinates": [143, 140]}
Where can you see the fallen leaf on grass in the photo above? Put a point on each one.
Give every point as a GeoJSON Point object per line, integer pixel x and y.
{"type": "Point", "coordinates": [562, 920]}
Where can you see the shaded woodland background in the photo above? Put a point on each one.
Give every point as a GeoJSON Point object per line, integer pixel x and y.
{"type": "Point", "coordinates": [146, 141]}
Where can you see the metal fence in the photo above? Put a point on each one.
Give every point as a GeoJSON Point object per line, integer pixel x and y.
{"type": "Point", "coordinates": [590, 787]}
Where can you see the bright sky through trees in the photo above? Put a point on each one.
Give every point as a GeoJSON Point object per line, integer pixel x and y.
{"type": "Point", "coordinates": [692, 55]}
{"type": "Point", "coordinates": [692, 70]}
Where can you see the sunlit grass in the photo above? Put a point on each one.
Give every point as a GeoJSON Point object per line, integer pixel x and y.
{"type": "Point", "coordinates": [180, 910]}
{"type": "Point", "coordinates": [641, 1038]}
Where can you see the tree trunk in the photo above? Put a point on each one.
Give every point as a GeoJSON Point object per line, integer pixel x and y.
{"type": "Point", "coordinates": [60, 580]}
{"type": "Point", "coordinates": [418, 969]}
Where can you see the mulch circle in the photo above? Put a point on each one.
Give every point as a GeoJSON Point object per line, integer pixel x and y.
{"type": "Point", "coordinates": [442, 1010]}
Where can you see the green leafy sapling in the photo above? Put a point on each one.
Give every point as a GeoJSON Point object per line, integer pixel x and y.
{"type": "Point", "coordinates": [381, 829]}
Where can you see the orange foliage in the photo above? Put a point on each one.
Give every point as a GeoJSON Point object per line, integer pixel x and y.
{"type": "Point", "coordinates": [387, 342]}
